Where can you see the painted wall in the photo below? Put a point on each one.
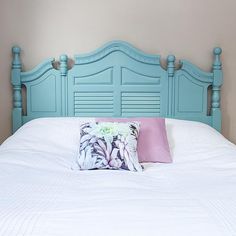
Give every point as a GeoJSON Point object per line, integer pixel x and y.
{"type": "Point", "coordinates": [187, 28]}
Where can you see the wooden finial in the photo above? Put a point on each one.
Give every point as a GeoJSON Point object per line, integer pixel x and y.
{"type": "Point", "coordinates": [16, 84]}
{"type": "Point", "coordinates": [171, 65]}
{"type": "Point", "coordinates": [217, 77]}
{"type": "Point", "coordinates": [170, 71]}
{"type": "Point", "coordinates": [217, 63]}
{"type": "Point", "coordinates": [63, 65]}
{"type": "Point", "coordinates": [16, 63]}
{"type": "Point", "coordinates": [216, 88]}
{"type": "Point", "coordinates": [16, 81]}
{"type": "Point", "coordinates": [64, 70]}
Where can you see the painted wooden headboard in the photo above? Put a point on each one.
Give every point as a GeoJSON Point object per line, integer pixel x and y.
{"type": "Point", "coordinates": [117, 80]}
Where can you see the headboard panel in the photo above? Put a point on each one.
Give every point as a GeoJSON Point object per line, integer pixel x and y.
{"type": "Point", "coordinates": [191, 84]}
{"type": "Point", "coordinates": [43, 90]}
{"type": "Point", "coordinates": [117, 80]}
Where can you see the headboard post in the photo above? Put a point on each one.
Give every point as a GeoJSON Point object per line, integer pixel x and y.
{"type": "Point", "coordinates": [64, 87]}
{"type": "Point", "coordinates": [16, 83]}
{"type": "Point", "coordinates": [170, 71]}
{"type": "Point", "coordinates": [216, 86]}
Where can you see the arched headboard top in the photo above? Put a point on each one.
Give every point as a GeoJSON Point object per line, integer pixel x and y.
{"type": "Point", "coordinates": [117, 80]}
{"type": "Point", "coordinates": [37, 71]}
{"type": "Point", "coordinates": [117, 45]}
{"type": "Point", "coordinates": [196, 72]}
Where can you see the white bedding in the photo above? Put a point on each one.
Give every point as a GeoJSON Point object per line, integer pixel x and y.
{"type": "Point", "coordinates": [195, 195]}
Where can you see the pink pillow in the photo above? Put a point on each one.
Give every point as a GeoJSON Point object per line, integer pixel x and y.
{"type": "Point", "coordinates": [152, 142]}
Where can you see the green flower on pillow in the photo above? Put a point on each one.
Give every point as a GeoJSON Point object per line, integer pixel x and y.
{"type": "Point", "coordinates": [108, 130]}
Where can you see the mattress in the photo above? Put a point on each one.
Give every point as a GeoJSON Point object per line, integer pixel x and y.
{"type": "Point", "coordinates": [194, 195]}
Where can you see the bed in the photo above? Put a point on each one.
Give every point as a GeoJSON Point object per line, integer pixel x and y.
{"type": "Point", "coordinates": [40, 194]}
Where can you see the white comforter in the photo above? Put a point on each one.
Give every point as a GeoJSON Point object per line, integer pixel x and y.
{"type": "Point", "coordinates": [41, 196]}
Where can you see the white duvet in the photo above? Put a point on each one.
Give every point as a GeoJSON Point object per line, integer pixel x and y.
{"type": "Point", "coordinates": [41, 196]}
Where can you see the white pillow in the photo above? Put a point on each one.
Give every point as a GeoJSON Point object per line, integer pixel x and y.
{"type": "Point", "coordinates": [57, 136]}
{"type": "Point", "coordinates": [191, 140]}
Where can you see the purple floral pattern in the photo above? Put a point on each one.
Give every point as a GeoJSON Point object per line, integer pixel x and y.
{"type": "Point", "coordinates": [109, 145]}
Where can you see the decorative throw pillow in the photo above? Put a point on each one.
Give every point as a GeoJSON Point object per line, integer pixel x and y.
{"type": "Point", "coordinates": [153, 144]}
{"type": "Point", "coordinates": [109, 145]}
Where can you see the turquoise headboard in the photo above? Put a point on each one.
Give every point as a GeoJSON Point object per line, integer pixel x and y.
{"type": "Point", "coordinates": [117, 80]}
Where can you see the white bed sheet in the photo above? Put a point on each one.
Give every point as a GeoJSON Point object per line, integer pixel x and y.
{"type": "Point", "coordinates": [43, 197]}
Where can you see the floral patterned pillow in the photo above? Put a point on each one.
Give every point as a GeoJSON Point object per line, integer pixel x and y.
{"type": "Point", "coordinates": [109, 145]}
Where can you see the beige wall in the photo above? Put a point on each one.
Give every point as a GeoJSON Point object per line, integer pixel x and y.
{"type": "Point", "coordinates": [187, 28]}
